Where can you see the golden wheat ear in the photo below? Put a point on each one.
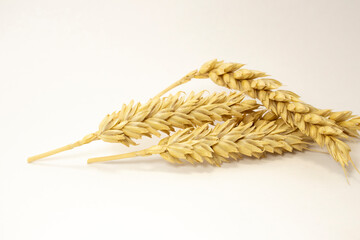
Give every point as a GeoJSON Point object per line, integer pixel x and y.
{"type": "Point", "coordinates": [222, 143]}
{"type": "Point", "coordinates": [135, 121]}
{"type": "Point", "coordinates": [87, 139]}
{"type": "Point", "coordinates": [233, 76]}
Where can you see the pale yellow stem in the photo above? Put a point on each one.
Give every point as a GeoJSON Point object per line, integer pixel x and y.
{"type": "Point", "coordinates": [87, 139]}
{"type": "Point", "coordinates": [145, 152]}
{"type": "Point", "coordinates": [183, 80]}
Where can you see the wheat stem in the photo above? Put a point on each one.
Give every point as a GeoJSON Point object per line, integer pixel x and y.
{"type": "Point", "coordinates": [144, 152]}
{"type": "Point", "coordinates": [87, 139]}
{"type": "Point", "coordinates": [183, 80]}
{"type": "Point", "coordinates": [120, 156]}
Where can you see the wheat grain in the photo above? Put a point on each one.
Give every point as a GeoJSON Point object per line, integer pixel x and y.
{"type": "Point", "coordinates": [134, 121]}
{"type": "Point", "coordinates": [350, 123]}
{"type": "Point", "coordinates": [222, 143]}
{"type": "Point", "coordinates": [287, 105]}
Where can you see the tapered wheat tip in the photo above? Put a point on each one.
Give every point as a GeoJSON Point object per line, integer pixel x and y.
{"type": "Point", "coordinates": [222, 143]}
{"type": "Point", "coordinates": [325, 128]}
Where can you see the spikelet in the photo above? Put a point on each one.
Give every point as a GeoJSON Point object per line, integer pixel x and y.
{"type": "Point", "coordinates": [135, 121]}
{"type": "Point", "coordinates": [349, 123]}
{"type": "Point", "coordinates": [226, 141]}
{"type": "Point", "coordinates": [285, 104]}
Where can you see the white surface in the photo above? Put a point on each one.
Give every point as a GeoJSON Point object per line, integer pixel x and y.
{"type": "Point", "coordinates": [65, 64]}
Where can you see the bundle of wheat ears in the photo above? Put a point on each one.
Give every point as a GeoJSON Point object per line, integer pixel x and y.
{"type": "Point", "coordinates": [274, 121]}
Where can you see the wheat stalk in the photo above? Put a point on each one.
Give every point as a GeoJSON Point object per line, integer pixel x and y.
{"type": "Point", "coordinates": [285, 104]}
{"type": "Point", "coordinates": [222, 143]}
{"type": "Point", "coordinates": [134, 121]}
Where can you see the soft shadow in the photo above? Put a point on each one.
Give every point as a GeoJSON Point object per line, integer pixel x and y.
{"type": "Point", "coordinates": [151, 164]}
{"type": "Point", "coordinates": [156, 164]}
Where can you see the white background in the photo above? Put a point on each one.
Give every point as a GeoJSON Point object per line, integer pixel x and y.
{"type": "Point", "coordinates": [65, 64]}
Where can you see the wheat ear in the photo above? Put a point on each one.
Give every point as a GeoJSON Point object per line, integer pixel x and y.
{"type": "Point", "coordinates": [134, 121]}
{"type": "Point", "coordinates": [349, 124]}
{"type": "Point", "coordinates": [220, 144]}
{"type": "Point", "coordinates": [284, 104]}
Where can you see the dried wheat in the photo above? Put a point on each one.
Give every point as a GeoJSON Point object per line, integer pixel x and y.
{"type": "Point", "coordinates": [285, 104]}
{"type": "Point", "coordinates": [350, 124]}
{"type": "Point", "coordinates": [134, 121]}
{"type": "Point", "coordinates": [223, 142]}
